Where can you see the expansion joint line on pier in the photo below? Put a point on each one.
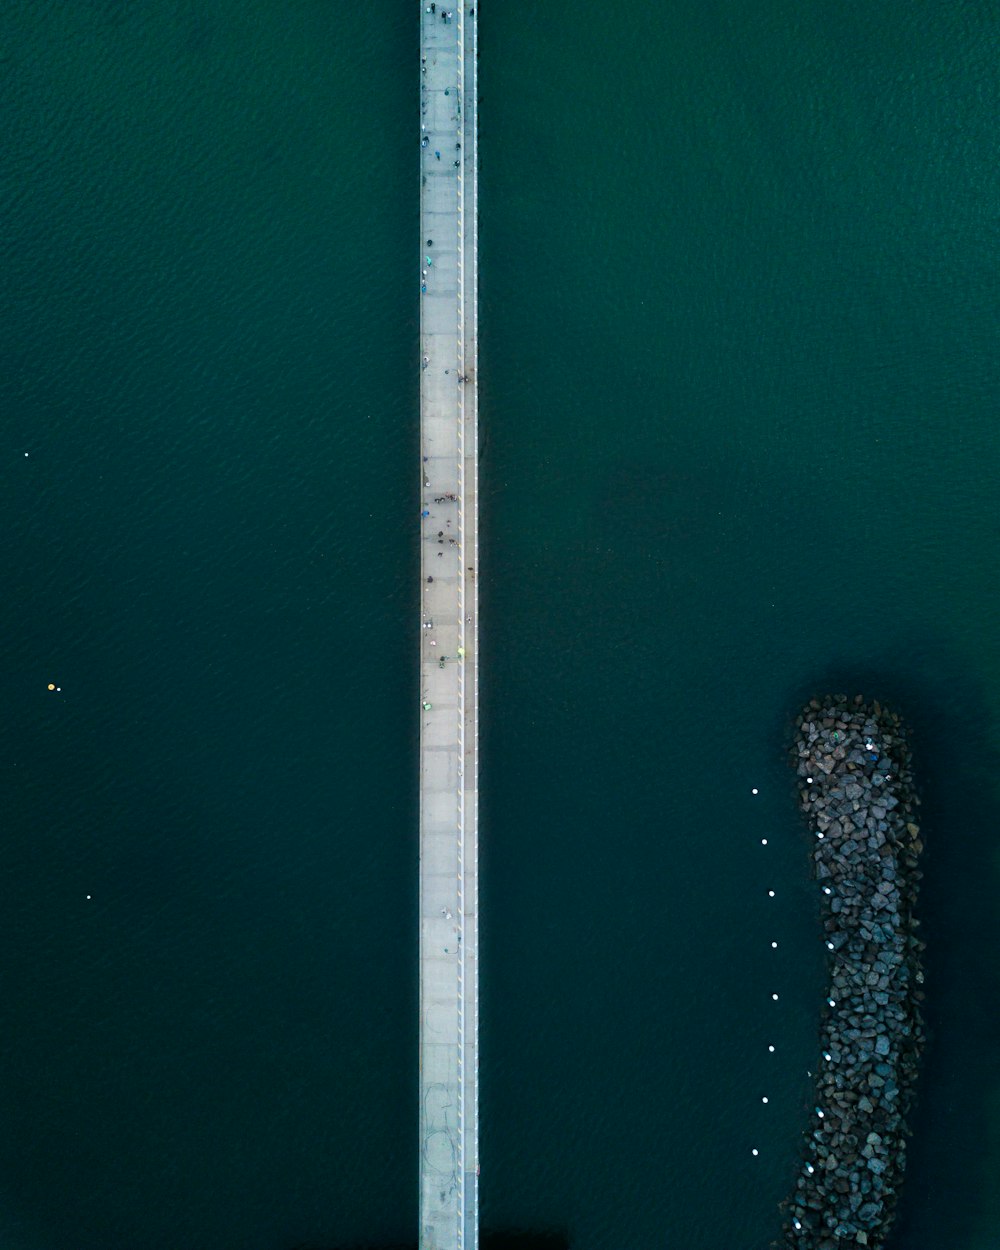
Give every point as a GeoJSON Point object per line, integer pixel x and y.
{"type": "Point", "coordinates": [449, 724]}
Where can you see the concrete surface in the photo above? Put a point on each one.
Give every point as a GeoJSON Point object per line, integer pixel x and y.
{"type": "Point", "coordinates": [449, 893]}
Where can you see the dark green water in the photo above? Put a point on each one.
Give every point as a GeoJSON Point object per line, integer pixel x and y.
{"type": "Point", "coordinates": [209, 358]}
{"type": "Point", "coordinates": [739, 365]}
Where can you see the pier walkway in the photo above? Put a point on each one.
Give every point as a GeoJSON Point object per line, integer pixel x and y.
{"type": "Point", "coordinates": [449, 727]}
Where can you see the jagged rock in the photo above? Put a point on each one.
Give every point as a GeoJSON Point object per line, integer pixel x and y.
{"type": "Point", "coordinates": [860, 798]}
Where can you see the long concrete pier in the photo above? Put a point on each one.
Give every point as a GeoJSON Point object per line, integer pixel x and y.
{"type": "Point", "coordinates": [449, 564]}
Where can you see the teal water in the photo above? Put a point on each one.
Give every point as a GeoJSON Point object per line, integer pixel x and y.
{"type": "Point", "coordinates": [739, 378]}
{"type": "Point", "coordinates": [209, 358]}
{"type": "Point", "coordinates": [739, 348]}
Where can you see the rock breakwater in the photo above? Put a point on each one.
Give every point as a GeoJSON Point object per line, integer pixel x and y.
{"type": "Point", "coordinates": [857, 793]}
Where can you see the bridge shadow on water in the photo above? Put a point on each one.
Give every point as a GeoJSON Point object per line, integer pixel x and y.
{"type": "Point", "coordinates": [504, 1239]}
{"type": "Point", "coordinates": [945, 1197]}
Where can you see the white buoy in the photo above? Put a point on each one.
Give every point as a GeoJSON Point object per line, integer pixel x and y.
{"type": "Point", "coordinates": [832, 1002]}
{"type": "Point", "coordinates": [827, 890]}
{"type": "Point", "coordinates": [809, 781]}
{"type": "Point", "coordinates": [754, 790]}
{"type": "Point", "coordinates": [763, 841]}
{"type": "Point", "coordinates": [754, 1152]}
{"type": "Point", "coordinates": [770, 894]}
{"type": "Point", "coordinates": [774, 946]}
{"type": "Point", "coordinates": [775, 997]}
{"type": "Point", "coordinates": [89, 896]}
{"type": "Point", "coordinates": [764, 1099]}
{"type": "Point", "coordinates": [770, 1050]}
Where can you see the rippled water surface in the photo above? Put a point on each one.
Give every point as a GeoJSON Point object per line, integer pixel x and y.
{"type": "Point", "coordinates": [208, 359]}
{"type": "Point", "coordinates": [739, 369]}
{"type": "Point", "coordinates": [741, 389]}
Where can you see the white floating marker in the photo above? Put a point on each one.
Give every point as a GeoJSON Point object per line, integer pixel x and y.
{"type": "Point", "coordinates": [770, 894]}
{"type": "Point", "coordinates": [770, 1050]}
{"type": "Point", "coordinates": [774, 946]}
{"type": "Point", "coordinates": [764, 1099]}
{"type": "Point", "coordinates": [827, 890]}
{"type": "Point", "coordinates": [832, 1002]}
{"type": "Point", "coordinates": [763, 841]}
{"type": "Point", "coordinates": [754, 1152]}
{"type": "Point", "coordinates": [774, 997]}
{"type": "Point", "coordinates": [754, 790]}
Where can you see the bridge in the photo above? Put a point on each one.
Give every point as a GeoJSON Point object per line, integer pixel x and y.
{"type": "Point", "coordinates": [449, 566]}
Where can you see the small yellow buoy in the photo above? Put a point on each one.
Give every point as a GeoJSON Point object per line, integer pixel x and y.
{"type": "Point", "coordinates": [52, 685]}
